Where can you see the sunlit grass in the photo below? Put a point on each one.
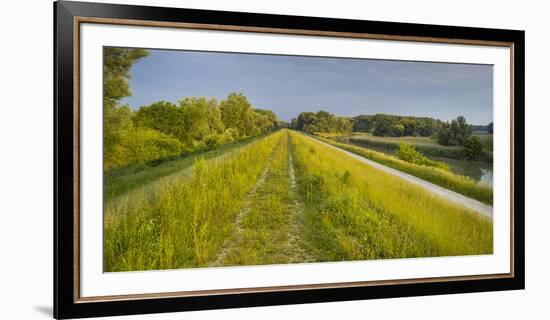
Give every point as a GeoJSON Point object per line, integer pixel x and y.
{"type": "Point", "coordinates": [354, 211]}
{"type": "Point", "coordinates": [117, 182]}
{"type": "Point", "coordinates": [270, 219]}
{"type": "Point", "coordinates": [348, 211]}
{"type": "Point", "coordinates": [458, 183]}
{"type": "Point", "coordinates": [185, 222]}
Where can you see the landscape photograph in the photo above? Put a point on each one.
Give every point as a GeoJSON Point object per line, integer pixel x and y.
{"type": "Point", "coordinates": [219, 159]}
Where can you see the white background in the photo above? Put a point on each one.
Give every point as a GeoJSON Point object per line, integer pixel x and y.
{"type": "Point", "coordinates": [26, 161]}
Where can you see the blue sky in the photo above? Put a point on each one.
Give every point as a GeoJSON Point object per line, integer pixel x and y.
{"type": "Point", "coordinates": [289, 85]}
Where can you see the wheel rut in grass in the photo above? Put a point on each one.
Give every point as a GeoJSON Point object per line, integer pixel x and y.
{"type": "Point", "coordinates": [232, 242]}
{"type": "Point", "coordinates": [268, 228]}
{"type": "Point", "coordinates": [300, 254]}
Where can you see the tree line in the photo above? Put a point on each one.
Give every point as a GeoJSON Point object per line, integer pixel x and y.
{"type": "Point", "coordinates": [164, 129]}
{"type": "Point", "coordinates": [321, 121]}
{"type": "Point", "coordinates": [454, 133]}
{"type": "Point", "coordinates": [379, 124]}
{"type": "Point", "coordinates": [386, 125]}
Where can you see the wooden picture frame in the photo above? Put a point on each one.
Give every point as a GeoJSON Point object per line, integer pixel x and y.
{"type": "Point", "coordinates": [69, 16]}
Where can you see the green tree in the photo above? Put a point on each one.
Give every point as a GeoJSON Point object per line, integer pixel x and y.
{"type": "Point", "coordinates": [460, 130]}
{"type": "Point", "coordinates": [237, 113]}
{"type": "Point", "coordinates": [383, 128]}
{"type": "Point", "coordinates": [473, 148]}
{"type": "Point", "coordinates": [306, 119]}
{"type": "Point", "coordinates": [455, 133]}
{"type": "Point", "coordinates": [200, 118]}
{"type": "Point", "coordinates": [390, 125]}
{"type": "Point", "coordinates": [162, 116]}
{"type": "Point", "coordinates": [117, 63]}
{"type": "Point", "coordinates": [343, 125]}
{"type": "Point", "coordinates": [322, 121]}
{"type": "Point", "coordinates": [209, 108]}
{"type": "Point", "coordinates": [445, 137]}
{"type": "Point", "coordinates": [266, 120]}
{"type": "Point", "coordinates": [398, 130]}
{"type": "Point", "coordinates": [294, 123]}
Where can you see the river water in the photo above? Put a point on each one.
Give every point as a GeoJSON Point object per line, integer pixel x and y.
{"type": "Point", "coordinates": [481, 172]}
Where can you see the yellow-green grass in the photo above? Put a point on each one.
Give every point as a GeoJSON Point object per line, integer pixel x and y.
{"type": "Point", "coordinates": [458, 183]}
{"type": "Point", "coordinates": [185, 221]}
{"type": "Point", "coordinates": [269, 230]}
{"type": "Point", "coordinates": [354, 211]}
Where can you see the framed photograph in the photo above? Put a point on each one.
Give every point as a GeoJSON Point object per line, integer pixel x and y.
{"type": "Point", "coordinates": [209, 159]}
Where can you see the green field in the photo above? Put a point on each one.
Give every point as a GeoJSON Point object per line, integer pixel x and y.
{"type": "Point", "coordinates": [416, 141]}
{"type": "Point", "coordinates": [281, 198]}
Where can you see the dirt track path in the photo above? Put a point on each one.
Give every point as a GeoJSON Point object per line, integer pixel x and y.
{"type": "Point", "coordinates": [268, 228]}
{"type": "Point", "coordinates": [295, 235]}
{"type": "Point", "coordinates": [232, 243]}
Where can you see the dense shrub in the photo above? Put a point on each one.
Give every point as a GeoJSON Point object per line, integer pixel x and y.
{"type": "Point", "coordinates": [139, 145]}
{"type": "Point", "coordinates": [454, 133]}
{"type": "Point", "coordinates": [408, 153]}
{"type": "Point", "coordinates": [472, 148]}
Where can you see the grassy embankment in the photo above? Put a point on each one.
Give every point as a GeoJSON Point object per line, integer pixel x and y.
{"type": "Point", "coordinates": [185, 221]}
{"type": "Point", "coordinates": [245, 208]}
{"type": "Point", "coordinates": [353, 211]}
{"type": "Point", "coordinates": [446, 179]}
{"type": "Point", "coordinates": [119, 181]}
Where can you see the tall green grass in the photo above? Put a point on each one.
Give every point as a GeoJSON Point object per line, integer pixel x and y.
{"type": "Point", "coordinates": [185, 221]}
{"type": "Point", "coordinates": [354, 211]}
{"type": "Point", "coordinates": [270, 222]}
{"type": "Point", "coordinates": [443, 178]}
{"type": "Point", "coordinates": [117, 182]}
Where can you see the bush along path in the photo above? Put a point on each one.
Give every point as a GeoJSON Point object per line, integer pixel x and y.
{"type": "Point", "coordinates": [268, 228]}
